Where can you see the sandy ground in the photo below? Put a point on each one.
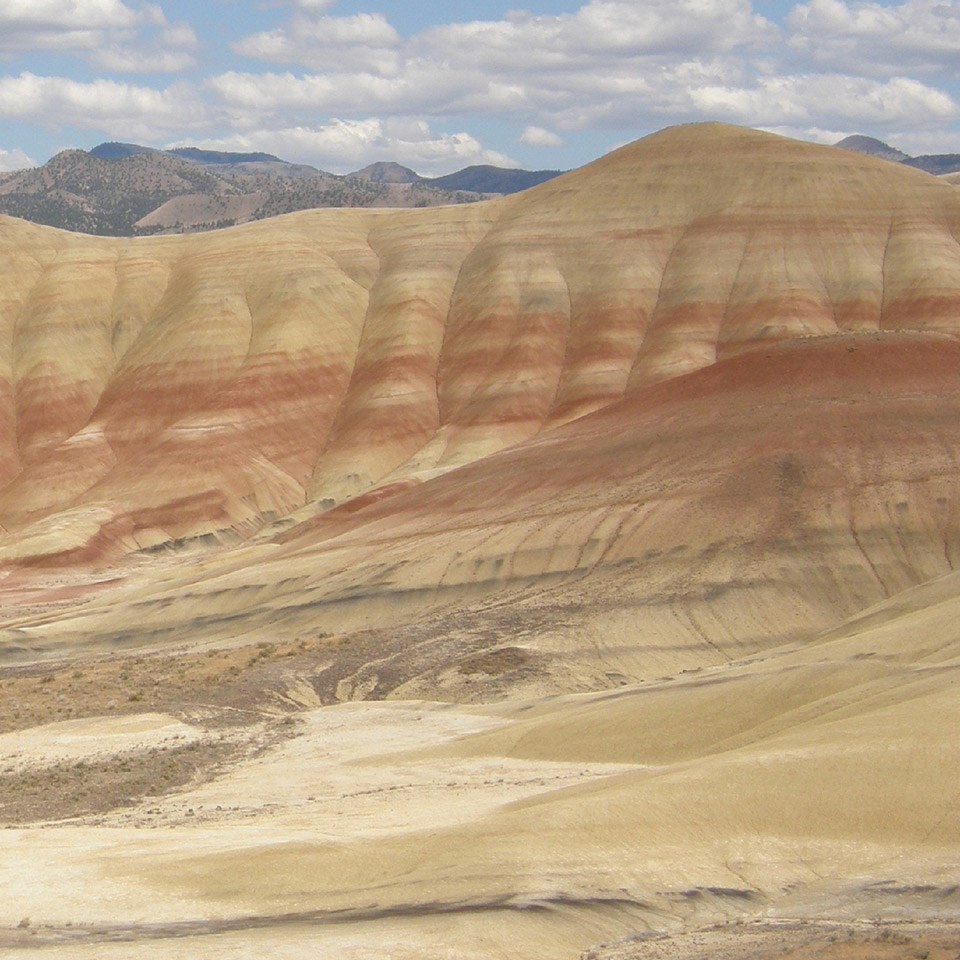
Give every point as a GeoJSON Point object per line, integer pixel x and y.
{"type": "Point", "coordinates": [344, 774]}
{"type": "Point", "coordinates": [410, 829]}
{"type": "Point", "coordinates": [92, 738]}
{"type": "Point", "coordinates": [799, 940]}
{"type": "Point", "coordinates": [219, 810]}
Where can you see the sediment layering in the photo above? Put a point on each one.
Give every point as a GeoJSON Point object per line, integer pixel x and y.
{"type": "Point", "coordinates": [635, 495]}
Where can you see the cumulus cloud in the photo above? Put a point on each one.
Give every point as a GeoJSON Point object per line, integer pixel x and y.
{"type": "Point", "coordinates": [14, 160]}
{"type": "Point", "coordinates": [363, 41]}
{"type": "Point", "coordinates": [600, 29]}
{"type": "Point", "coordinates": [265, 94]}
{"type": "Point", "coordinates": [522, 64]}
{"type": "Point", "coordinates": [109, 33]}
{"type": "Point", "coordinates": [69, 14]}
{"type": "Point", "coordinates": [170, 50]}
{"type": "Point", "coordinates": [341, 146]}
{"type": "Point", "coordinates": [617, 65]}
{"type": "Point", "coordinates": [561, 70]}
{"type": "Point", "coordinates": [920, 36]}
{"type": "Point", "coordinates": [920, 142]}
{"type": "Point", "coordinates": [538, 137]}
{"type": "Point", "coordinates": [67, 24]}
{"type": "Point", "coordinates": [823, 98]}
{"type": "Point", "coordinates": [522, 42]}
{"type": "Point", "coordinates": [912, 142]}
{"type": "Point", "coordinates": [118, 109]}
{"type": "Point", "coordinates": [120, 59]}
{"type": "Point", "coordinates": [611, 64]}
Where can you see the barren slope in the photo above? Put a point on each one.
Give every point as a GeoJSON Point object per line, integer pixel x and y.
{"type": "Point", "coordinates": [649, 472]}
{"type": "Point", "coordinates": [816, 783]}
{"type": "Point", "coordinates": [312, 356]}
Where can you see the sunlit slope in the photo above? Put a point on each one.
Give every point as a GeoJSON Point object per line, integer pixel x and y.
{"type": "Point", "coordinates": [650, 473]}
{"type": "Point", "coordinates": [162, 389]}
{"type": "Point", "coordinates": [793, 785]}
{"type": "Point", "coordinates": [727, 511]}
{"type": "Point", "coordinates": [818, 781]}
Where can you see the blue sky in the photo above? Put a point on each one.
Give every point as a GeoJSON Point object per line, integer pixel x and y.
{"type": "Point", "coordinates": [440, 85]}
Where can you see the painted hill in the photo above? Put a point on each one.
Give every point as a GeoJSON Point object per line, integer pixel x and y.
{"type": "Point", "coordinates": [500, 579]}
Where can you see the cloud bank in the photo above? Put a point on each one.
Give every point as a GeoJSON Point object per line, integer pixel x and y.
{"type": "Point", "coordinates": [341, 89]}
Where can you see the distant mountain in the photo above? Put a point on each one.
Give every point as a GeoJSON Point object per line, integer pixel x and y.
{"type": "Point", "coordinates": [221, 157]}
{"type": "Point", "coordinates": [938, 164]}
{"type": "Point", "coordinates": [117, 151]}
{"type": "Point", "coordinates": [223, 161]}
{"type": "Point", "coordinates": [385, 172]}
{"type": "Point", "coordinates": [487, 179]}
{"type": "Point", "coordinates": [477, 179]}
{"type": "Point", "coordinates": [78, 191]}
{"type": "Point", "coordinates": [872, 147]}
{"type": "Point", "coordinates": [123, 189]}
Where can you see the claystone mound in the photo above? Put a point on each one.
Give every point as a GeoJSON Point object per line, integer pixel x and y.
{"type": "Point", "coordinates": [310, 358]}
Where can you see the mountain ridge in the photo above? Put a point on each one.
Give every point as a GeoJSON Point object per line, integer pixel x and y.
{"type": "Point", "coordinates": [123, 189]}
{"type": "Point", "coordinates": [937, 164]}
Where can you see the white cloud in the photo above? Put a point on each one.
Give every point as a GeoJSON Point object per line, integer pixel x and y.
{"type": "Point", "coordinates": [921, 36]}
{"type": "Point", "coordinates": [118, 109]}
{"type": "Point", "coordinates": [267, 93]}
{"type": "Point", "coordinates": [342, 146]}
{"type": "Point", "coordinates": [520, 45]}
{"type": "Point", "coordinates": [111, 34]}
{"type": "Point", "coordinates": [88, 14]}
{"type": "Point", "coordinates": [818, 98]}
{"type": "Point", "coordinates": [599, 64]}
{"type": "Point", "coordinates": [538, 137]}
{"type": "Point", "coordinates": [65, 24]}
{"type": "Point", "coordinates": [14, 160]}
{"type": "Point", "coordinates": [170, 51]}
{"type": "Point", "coordinates": [918, 143]}
{"type": "Point", "coordinates": [601, 29]}
{"type": "Point", "coordinates": [612, 64]}
{"type": "Point", "coordinates": [912, 142]}
{"type": "Point", "coordinates": [521, 64]}
{"type": "Point", "coordinates": [362, 41]}
{"type": "Point", "coordinates": [837, 66]}
{"type": "Point", "coordinates": [120, 59]}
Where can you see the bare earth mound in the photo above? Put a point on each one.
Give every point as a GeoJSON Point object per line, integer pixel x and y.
{"type": "Point", "coordinates": [552, 575]}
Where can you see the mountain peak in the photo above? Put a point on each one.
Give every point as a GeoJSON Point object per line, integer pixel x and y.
{"type": "Point", "coordinates": [872, 147]}
{"type": "Point", "coordinates": [484, 178]}
{"type": "Point", "coordinates": [198, 155]}
{"type": "Point", "coordinates": [115, 150]}
{"type": "Point", "coordinates": [387, 172]}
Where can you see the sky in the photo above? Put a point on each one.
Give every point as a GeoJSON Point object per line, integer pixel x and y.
{"type": "Point", "coordinates": [437, 86]}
